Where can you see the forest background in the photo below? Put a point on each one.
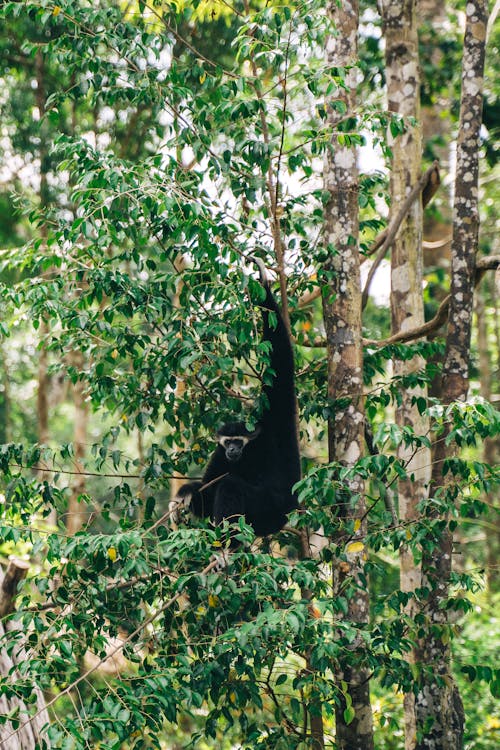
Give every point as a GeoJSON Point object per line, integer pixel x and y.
{"type": "Point", "coordinates": [147, 150]}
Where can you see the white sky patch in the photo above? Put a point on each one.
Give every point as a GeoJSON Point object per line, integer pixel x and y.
{"type": "Point", "coordinates": [380, 288]}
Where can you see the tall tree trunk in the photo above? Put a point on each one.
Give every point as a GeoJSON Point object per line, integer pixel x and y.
{"type": "Point", "coordinates": [43, 388]}
{"type": "Point", "coordinates": [439, 709]}
{"type": "Point", "coordinates": [180, 387]}
{"type": "Point", "coordinates": [407, 308]}
{"type": "Point", "coordinates": [342, 316]}
{"type": "Point", "coordinates": [432, 18]}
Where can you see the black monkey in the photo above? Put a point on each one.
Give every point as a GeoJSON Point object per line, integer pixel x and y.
{"type": "Point", "coordinates": [252, 473]}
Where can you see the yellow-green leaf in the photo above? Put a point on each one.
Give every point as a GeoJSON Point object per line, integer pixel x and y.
{"type": "Point", "coordinates": [354, 547]}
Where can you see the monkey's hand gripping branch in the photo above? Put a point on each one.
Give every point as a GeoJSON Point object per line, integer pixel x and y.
{"type": "Point", "coordinates": [264, 277]}
{"type": "Point", "coordinates": [180, 505]}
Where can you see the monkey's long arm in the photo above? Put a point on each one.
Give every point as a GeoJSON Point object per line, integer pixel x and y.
{"type": "Point", "coordinates": [281, 415]}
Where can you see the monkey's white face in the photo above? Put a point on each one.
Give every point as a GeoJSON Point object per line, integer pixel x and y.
{"type": "Point", "coordinates": [233, 445]}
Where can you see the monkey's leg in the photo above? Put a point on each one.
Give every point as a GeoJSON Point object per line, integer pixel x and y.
{"type": "Point", "coordinates": [231, 498]}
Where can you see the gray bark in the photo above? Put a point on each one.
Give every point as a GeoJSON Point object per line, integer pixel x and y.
{"type": "Point", "coordinates": [407, 309]}
{"type": "Point", "coordinates": [342, 316]}
{"type": "Point", "coordinates": [439, 709]}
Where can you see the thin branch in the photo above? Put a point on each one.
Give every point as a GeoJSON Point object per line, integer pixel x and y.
{"type": "Point", "coordinates": [486, 263]}
{"type": "Point", "coordinates": [432, 325]}
{"type": "Point", "coordinates": [427, 185]}
{"type": "Point", "coordinates": [309, 297]}
{"type": "Point", "coordinates": [491, 21]}
{"type": "Point", "coordinates": [272, 187]}
{"type": "Point", "coordinates": [189, 46]}
{"type": "Point", "coordinates": [119, 647]}
{"type": "Point", "coordinates": [437, 244]}
{"type": "Point", "coordinates": [428, 189]}
{"type": "Point", "coordinates": [105, 475]}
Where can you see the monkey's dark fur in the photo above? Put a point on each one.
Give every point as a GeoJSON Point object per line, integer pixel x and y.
{"type": "Point", "coordinates": [265, 464]}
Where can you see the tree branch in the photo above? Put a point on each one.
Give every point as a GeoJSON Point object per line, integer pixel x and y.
{"type": "Point", "coordinates": [429, 183]}
{"type": "Point", "coordinates": [426, 186]}
{"type": "Point", "coordinates": [486, 263]}
{"type": "Point", "coordinates": [119, 647]}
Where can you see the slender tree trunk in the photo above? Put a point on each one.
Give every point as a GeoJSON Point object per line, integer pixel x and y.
{"type": "Point", "coordinates": [407, 309]}
{"type": "Point", "coordinates": [12, 661]}
{"type": "Point", "coordinates": [43, 389]}
{"type": "Point", "coordinates": [180, 387]}
{"type": "Point", "coordinates": [439, 709]}
{"type": "Point", "coordinates": [436, 130]}
{"type": "Point", "coordinates": [342, 316]}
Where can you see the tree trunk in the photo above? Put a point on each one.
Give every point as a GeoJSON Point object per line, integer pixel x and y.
{"type": "Point", "coordinates": [180, 387]}
{"type": "Point", "coordinates": [407, 309]}
{"type": "Point", "coordinates": [43, 331]}
{"type": "Point", "coordinates": [29, 733]}
{"type": "Point", "coordinates": [436, 132]}
{"type": "Point", "coordinates": [439, 709]}
{"type": "Point", "coordinates": [342, 316]}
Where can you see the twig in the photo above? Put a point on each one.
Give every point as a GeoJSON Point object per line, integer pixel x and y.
{"type": "Point", "coordinates": [272, 187]}
{"type": "Point", "coordinates": [429, 178]}
{"type": "Point", "coordinates": [428, 190]}
{"type": "Point", "coordinates": [491, 20]}
{"type": "Point", "coordinates": [119, 647]}
{"type": "Point", "coordinates": [105, 475]}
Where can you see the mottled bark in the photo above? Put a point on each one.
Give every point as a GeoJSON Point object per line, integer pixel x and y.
{"type": "Point", "coordinates": [30, 732]}
{"type": "Point", "coordinates": [439, 709]}
{"type": "Point", "coordinates": [436, 126]}
{"type": "Point", "coordinates": [342, 317]}
{"type": "Point", "coordinates": [407, 309]}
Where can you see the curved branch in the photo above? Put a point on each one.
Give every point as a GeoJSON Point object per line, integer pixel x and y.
{"type": "Point", "coordinates": [428, 183]}
{"type": "Point", "coordinates": [426, 186]}
{"type": "Point", "coordinates": [486, 263]}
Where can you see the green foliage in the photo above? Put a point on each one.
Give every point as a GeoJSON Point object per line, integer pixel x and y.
{"type": "Point", "coordinates": [476, 668]}
{"type": "Point", "coordinates": [159, 155]}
